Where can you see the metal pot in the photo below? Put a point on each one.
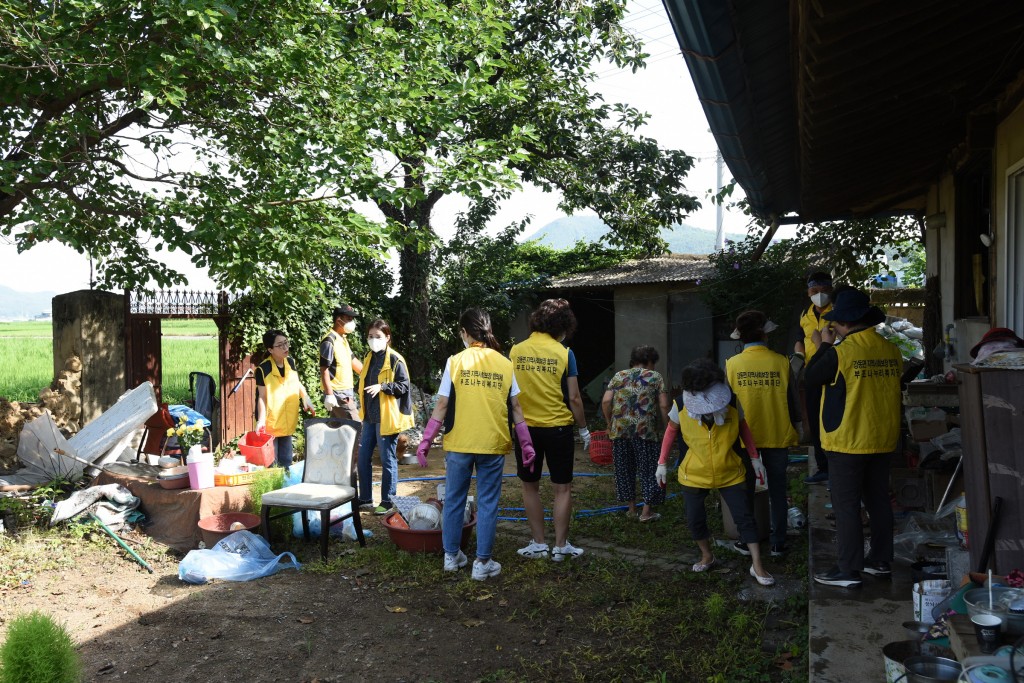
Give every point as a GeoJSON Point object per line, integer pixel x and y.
{"type": "Point", "coordinates": [930, 669]}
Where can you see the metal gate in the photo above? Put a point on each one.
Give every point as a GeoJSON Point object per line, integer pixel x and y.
{"type": "Point", "coordinates": [236, 385]}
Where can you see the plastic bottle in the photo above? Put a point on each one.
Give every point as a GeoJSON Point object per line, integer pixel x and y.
{"type": "Point", "coordinates": [796, 518]}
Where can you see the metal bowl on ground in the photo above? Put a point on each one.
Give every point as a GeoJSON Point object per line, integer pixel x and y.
{"type": "Point", "coordinates": [976, 600]}
{"type": "Point", "coordinates": [931, 669]}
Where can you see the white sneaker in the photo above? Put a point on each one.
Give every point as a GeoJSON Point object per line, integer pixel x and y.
{"type": "Point", "coordinates": [485, 570]}
{"type": "Point", "coordinates": [453, 563]}
{"type": "Point", "coordinates": [559, 553]}
{"type": "Point", "coordinates": [534, 551]}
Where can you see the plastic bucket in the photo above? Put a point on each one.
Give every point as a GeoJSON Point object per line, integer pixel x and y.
{"type": "Point", "coordinates": [761, 516]}
{"type": "Point", "coordinates": [897, 652]}
{"type": "Point", "coordinates": [200, 470]}
{"type": "Point", "coordinates": [258, 449]}
{"type": "Point", "coordinates": [927, 594]}
{"type": "Point", "coordinates": [932, 669]}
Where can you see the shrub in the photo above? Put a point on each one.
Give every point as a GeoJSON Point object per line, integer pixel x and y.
{"type": "Point", "coordinates": [38, 650]}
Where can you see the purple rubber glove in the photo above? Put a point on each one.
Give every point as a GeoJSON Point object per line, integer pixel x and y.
{"type": "Point", "coordinates": [526, 444]}
{"type": "Point", "coordinates": [433, 427]}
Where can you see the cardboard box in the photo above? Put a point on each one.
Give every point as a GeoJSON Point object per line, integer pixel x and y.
{"type": "Point", "coordinates": [925, 430]}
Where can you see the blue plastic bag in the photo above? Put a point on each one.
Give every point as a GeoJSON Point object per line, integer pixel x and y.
{"type": "Point", "coordinates": [191, 416]}
{"type": "Point", "coordinates": [242, 556]}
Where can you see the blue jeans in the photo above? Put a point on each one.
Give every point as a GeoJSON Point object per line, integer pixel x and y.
{"type": "Point", "coordinates": [372, 438]}
{"type": "Point", "coordinates": [458, 471]}
{"type": "Point", "coordinates": [283, 453]}
{"type": "Point", "coordinates": [775, 461]}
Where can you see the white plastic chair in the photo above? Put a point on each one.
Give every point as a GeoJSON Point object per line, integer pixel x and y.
{"type": "Point", "coordinates": [328, 480]}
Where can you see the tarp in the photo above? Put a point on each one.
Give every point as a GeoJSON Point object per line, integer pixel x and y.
{"type": "Point", "coordinates": [47, 455]}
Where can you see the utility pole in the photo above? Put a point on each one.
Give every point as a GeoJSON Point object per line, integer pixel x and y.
{"type": "Point", "coordinates": [719, 233]}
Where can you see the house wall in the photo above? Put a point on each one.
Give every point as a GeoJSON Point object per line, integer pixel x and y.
{"type": "Point", "coordinates": [1009, 157]}
{"type": "Point", "coordinates": [940, 241]}
{"type": "Point", "coordinates": [641, 317]}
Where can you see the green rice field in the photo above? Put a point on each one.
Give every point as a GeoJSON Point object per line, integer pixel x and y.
{"type": "Point", "coordinates": [26, 354]}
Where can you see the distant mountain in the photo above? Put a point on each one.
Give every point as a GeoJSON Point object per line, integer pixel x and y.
{"type": "Point", "coordinates": [564, 232]}
{"type": "Point", "coordinates": [15, 305]}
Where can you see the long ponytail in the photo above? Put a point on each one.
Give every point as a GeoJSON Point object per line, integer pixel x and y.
{"type": "Point", "coordinates": [477, 323]}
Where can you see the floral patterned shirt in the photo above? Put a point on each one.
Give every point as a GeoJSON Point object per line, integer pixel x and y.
{"type": "Point", "coordinates": [635, 404]}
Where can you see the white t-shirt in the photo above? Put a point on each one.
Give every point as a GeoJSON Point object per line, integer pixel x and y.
{"type": "Point", "coordinates": [446, 382]}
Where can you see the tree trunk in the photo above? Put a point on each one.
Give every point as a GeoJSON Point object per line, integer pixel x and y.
{"type": "Point", "coordinates": [414, 309]}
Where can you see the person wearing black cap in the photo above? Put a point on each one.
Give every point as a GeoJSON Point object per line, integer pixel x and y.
{"type": "Point", "coordinates": [819, 290]}
{"type": "Point", "coordinates": [858, 372]}
{"type": "Point", "coordinates": [337, 365]}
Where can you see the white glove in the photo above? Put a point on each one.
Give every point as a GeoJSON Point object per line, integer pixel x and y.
{"type": "Point", "coordinates": [661, 475]}
{"type": "Point", "coordinates": [330, 402]}
{"type": "Point", "coordinates": [759, 472]}
{"type": "Point", "coordinates": [307, 406]}
{"type": "Point", "coordinates": [585, 437]}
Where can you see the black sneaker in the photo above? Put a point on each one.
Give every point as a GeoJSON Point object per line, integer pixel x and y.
{"type": "Point", "coordinates": [741, 548]}
{"type": "Point", "coordinates": [834, 577]}
{"type": "Point", "coordinates": [778, 549]}
{"type": "Point", "coordinates": [816, 478]}
{"type": "Point", "coordinates": [880, 569]}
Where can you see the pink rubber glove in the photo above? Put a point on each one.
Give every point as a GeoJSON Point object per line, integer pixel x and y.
{"type": "Point", "coordinates": [432, 429]}
{"type": "Point", "coordinates": [526, 444]}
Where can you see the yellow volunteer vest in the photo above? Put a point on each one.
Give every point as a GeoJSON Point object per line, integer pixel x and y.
{"type": "Point", "coordinates": [342, 379]}
{"type": "Point", "coordinates": [392, 421]}
{"type": "Point", "coordinates": [760, 379]}
{"type": "Point", "coordinates": [477, 416]}
{"type": "Point", "coordinates": [711, 462]}
{"type": "Point", "coordinates": [542, 369]}
{"type": "Point", "coordinates": [870, 367]}
{"type": "Point", "coordinates": [282, 398]}
{"type": "Point", "coordinates": [809, 323]}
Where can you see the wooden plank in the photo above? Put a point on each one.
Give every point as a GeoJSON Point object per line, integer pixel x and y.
{"type": "Point", "coordinates": [975, 466]}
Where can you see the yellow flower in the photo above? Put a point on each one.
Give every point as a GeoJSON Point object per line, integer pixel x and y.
{"type": "Point", "coordinates": [170, 431]}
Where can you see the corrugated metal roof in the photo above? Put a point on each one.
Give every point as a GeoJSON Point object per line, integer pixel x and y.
{"type": "Point", "coordinates": [671, 268]}
{"type": "Point", "coordinates": [832, 109]}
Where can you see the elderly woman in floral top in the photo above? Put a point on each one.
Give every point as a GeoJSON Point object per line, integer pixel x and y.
{"type": "Point", "coordinates": [632, 404]}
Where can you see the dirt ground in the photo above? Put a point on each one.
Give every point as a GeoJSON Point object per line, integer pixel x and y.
{"type": "Point", "coordinates": [295, 626]}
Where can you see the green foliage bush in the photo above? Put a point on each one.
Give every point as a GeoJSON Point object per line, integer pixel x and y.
{"type": "Point", "coordinates": [38, 650]}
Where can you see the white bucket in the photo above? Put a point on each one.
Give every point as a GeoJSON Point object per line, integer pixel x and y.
{"type": "Point", "coordinates": [927, 594]}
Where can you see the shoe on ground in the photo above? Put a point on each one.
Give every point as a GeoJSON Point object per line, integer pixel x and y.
{"type": "Point", "coordinates": [763, 580]}
{"type": "Point", "coordinates": [882, 570]}
{"type": "Point", "coordinates": [741, 548]}
{"type": "Point", "coordinates": [366, 506]}
{"type": "Point", "coordinates": [834, 577]}
{"type": "Point", "coordinates": [453, 563]}
{"type": "Point", "coordinates": [382, 509]}
{"type": "Point", "coordinates": [817, 478]}
{"type": "Point", "coordinates": [534, 551]}
{"type": "Point", "coordinates": [485, 570]}
{"type": "Point", "coordinates": [559, 553]}
{"type": "Point", "coordinates": [655, 516]}
{"type": "Point", "coordinates": [777, 549]}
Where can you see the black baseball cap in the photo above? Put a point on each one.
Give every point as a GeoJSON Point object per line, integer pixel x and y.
{"type": "Point", "coordinates": [345, 310]}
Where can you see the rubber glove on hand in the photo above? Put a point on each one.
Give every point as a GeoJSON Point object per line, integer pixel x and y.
{"type": "Point", "coordinates": [330, 402]}
{"type": "Point", "coordinates": [526, 444]}
{"type": "Point", "coordinates": [661, 475]}
{"type": "Point", "coordinates": [261, 427]}
{"type": "Point", "coordinates": [585, 437]}
{"type": "Point", "coordinates": [308, 406]}
{"type": "Point", "coordinates": [432, 429]}
{"type": "Point", "coordinates": [759, 472]}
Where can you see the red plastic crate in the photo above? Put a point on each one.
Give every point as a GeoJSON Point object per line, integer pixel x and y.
{"type": "Point", "coordinates": [258, 449]}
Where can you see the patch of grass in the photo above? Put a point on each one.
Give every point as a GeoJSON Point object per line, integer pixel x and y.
{"type": "Point", "coordinates": [38, 649]}
{"type": "Point", "coordinates": [188, 328]}
{"type": "Point", "coordinates": [27, 328]}
{"type": "Point", "coordinates": [28, 367]}
{"type": "Point", "coordinates": [182, 356]}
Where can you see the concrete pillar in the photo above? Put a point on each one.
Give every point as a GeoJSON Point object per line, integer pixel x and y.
{"type": "Point", "coordinates": [90, 324]}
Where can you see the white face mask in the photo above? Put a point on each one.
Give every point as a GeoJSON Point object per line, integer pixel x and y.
{"type": "Point", "coordinates": [376, 344]}
{"type": "Point", "coordinates": [350, 327]}
{"type": "Point", "coordinates": [821, 299]}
